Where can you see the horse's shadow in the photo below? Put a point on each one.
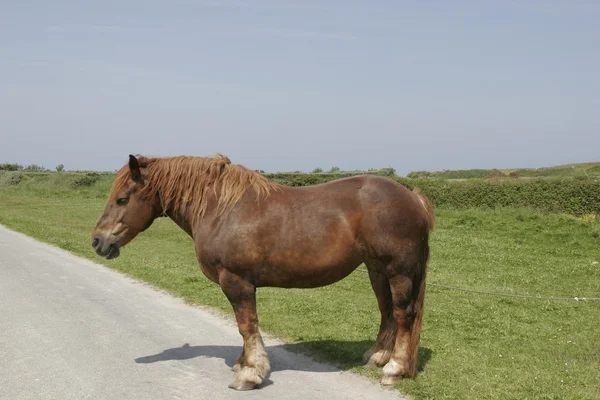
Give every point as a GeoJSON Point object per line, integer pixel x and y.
{"type": "Point", "coordinates": [306, 355]}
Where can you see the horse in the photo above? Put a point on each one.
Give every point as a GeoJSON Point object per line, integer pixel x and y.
{"type": "Point", "coordinates": [250, 232]}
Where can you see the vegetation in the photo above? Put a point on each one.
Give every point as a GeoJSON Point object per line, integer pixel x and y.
{"type": "Point", "coordinates": [34, 168]}
{"type": "Point", "coordinates": [585, 170]}
{"type": "Point", "coordinates": [458, 174]}
{"type": "Point", "coordinates": [86, 180]}
{"type": "Point", "coordinates": [577, 197]}
{"type": "Point", "coordinates": [582, 170]}
{"type": "Point", "coordinates": [11, 167]}
{"type": "Point", "coordinates": [564, 195]}
{"type": "Point", "coordinates": [473, 346]}
{"type": "Point", "coordinates": [319, 176]}
{"type": "Point", "coordinates": [10, 177]}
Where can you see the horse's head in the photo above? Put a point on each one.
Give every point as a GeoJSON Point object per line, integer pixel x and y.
{"type": "Point", "coordinates": [128, 210]}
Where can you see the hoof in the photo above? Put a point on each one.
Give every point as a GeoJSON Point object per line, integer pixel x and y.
{"type": "Point", "coordinates": [377, 359]}
{"type": "Point", "coordinates": [392, 372]}
{"type": "Point", "coordinates": [247, 379]}
{"type": "Point", "coordinates": [367, 356]}
{"type": "Point", "coordinates": [390, 380]}
{"type": "Point", "coordinates": [241, 385]}
{"type": "Point", "coordinates": [373, 364]}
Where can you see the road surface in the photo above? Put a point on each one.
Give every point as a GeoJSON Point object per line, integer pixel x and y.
{"type": "Point", "coordinates": [74, 329]}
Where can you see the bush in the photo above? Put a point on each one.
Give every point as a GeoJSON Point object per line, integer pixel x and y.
{"type": "Point", "coordinates": [86, 180]}
{"type": "Point", "coordinates": [11, 167]}
{"type": "Point", "coordinates": [10, 178]}
{"type": "Point", "coordinates": [60, 168]}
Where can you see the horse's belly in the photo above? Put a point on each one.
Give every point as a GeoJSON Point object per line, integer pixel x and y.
{"type": "Point", "coordinates": [305, 270]}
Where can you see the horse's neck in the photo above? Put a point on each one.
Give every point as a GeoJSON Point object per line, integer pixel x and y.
{"type": "Point", "coordinates": [185, 220]}
{"type": "Point", "coordinates": [182, 220]}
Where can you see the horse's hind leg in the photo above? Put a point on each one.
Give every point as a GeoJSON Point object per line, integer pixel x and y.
{"type": "Point", "coordinates": [407, 283]}
{"type": "Point", "coordinates": [380, 353]}
{"type": "Point", "coordinates": [253, 364]}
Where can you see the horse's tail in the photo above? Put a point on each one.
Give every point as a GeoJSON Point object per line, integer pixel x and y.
{"type": "Point", "coordinates": [418, 292]}
{"type": "Point", "coordinates": [417, 305]}
{"type": "Point", "coordinates": [428, 208]}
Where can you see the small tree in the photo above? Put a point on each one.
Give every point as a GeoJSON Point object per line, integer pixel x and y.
{"type": "Point", "coordinates": [334, 169]}
{"type": "Point", "coordinates": [317, 170]}
{"type": "Point", "coordinates": [60, 168]}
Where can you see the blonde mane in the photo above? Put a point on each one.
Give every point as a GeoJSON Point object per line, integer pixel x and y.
{"type": "Point", "coordinates": [183, 182]}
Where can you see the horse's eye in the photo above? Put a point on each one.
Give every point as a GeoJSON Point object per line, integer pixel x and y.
{"type": "Point", "coordinates": [122, 201]}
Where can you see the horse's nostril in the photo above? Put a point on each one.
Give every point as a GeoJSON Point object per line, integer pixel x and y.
{"type": "Point", "coordinates": [95, 242]}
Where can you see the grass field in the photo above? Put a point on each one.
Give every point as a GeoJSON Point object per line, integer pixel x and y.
{"type": "Point", "coordinates": [473, 346]}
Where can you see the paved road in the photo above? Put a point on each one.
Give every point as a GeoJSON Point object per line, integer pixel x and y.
{"type": "Point", "coordinates": [73, 329]}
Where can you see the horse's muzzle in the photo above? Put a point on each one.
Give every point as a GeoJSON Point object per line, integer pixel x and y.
{"type": "Point", "coordinates": [105, 249]}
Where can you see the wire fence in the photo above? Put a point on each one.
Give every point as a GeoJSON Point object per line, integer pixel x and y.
{"type": "Point", "coordinates": [520, 296]}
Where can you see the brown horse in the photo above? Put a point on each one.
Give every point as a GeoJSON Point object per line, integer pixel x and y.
{"type": "Point", "coordinates": [250, 232]}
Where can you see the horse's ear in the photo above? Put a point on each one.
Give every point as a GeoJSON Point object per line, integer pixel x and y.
{"type": "Point", "coordinates": [134, 169]}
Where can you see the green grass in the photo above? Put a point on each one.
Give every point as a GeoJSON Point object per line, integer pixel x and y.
{"type": "Point", "coordinates": [472, 346]}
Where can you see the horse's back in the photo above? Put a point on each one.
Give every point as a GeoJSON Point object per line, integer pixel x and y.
{"type": "Point", "coordinates": [365, 204]}
{"type": "Point", "coordinates": [357, 185]}
{"type": "Point", "coordinates": [368, 192]}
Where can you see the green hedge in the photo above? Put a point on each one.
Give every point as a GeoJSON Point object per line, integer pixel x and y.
{"type": "Point", "coordinates": [572, 196]}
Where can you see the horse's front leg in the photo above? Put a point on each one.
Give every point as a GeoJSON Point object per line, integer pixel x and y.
{"type": "Point", "coordinates": [253, 362]}
{"type": "Point", "coordinates": [239, 362]}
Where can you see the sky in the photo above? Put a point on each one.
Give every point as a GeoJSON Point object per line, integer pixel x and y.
{"type": "Point", "coordinates": [284, 85]}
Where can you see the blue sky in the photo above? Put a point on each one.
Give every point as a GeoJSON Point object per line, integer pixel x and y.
{"type": "Point", "coordinates": [294, 85]}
